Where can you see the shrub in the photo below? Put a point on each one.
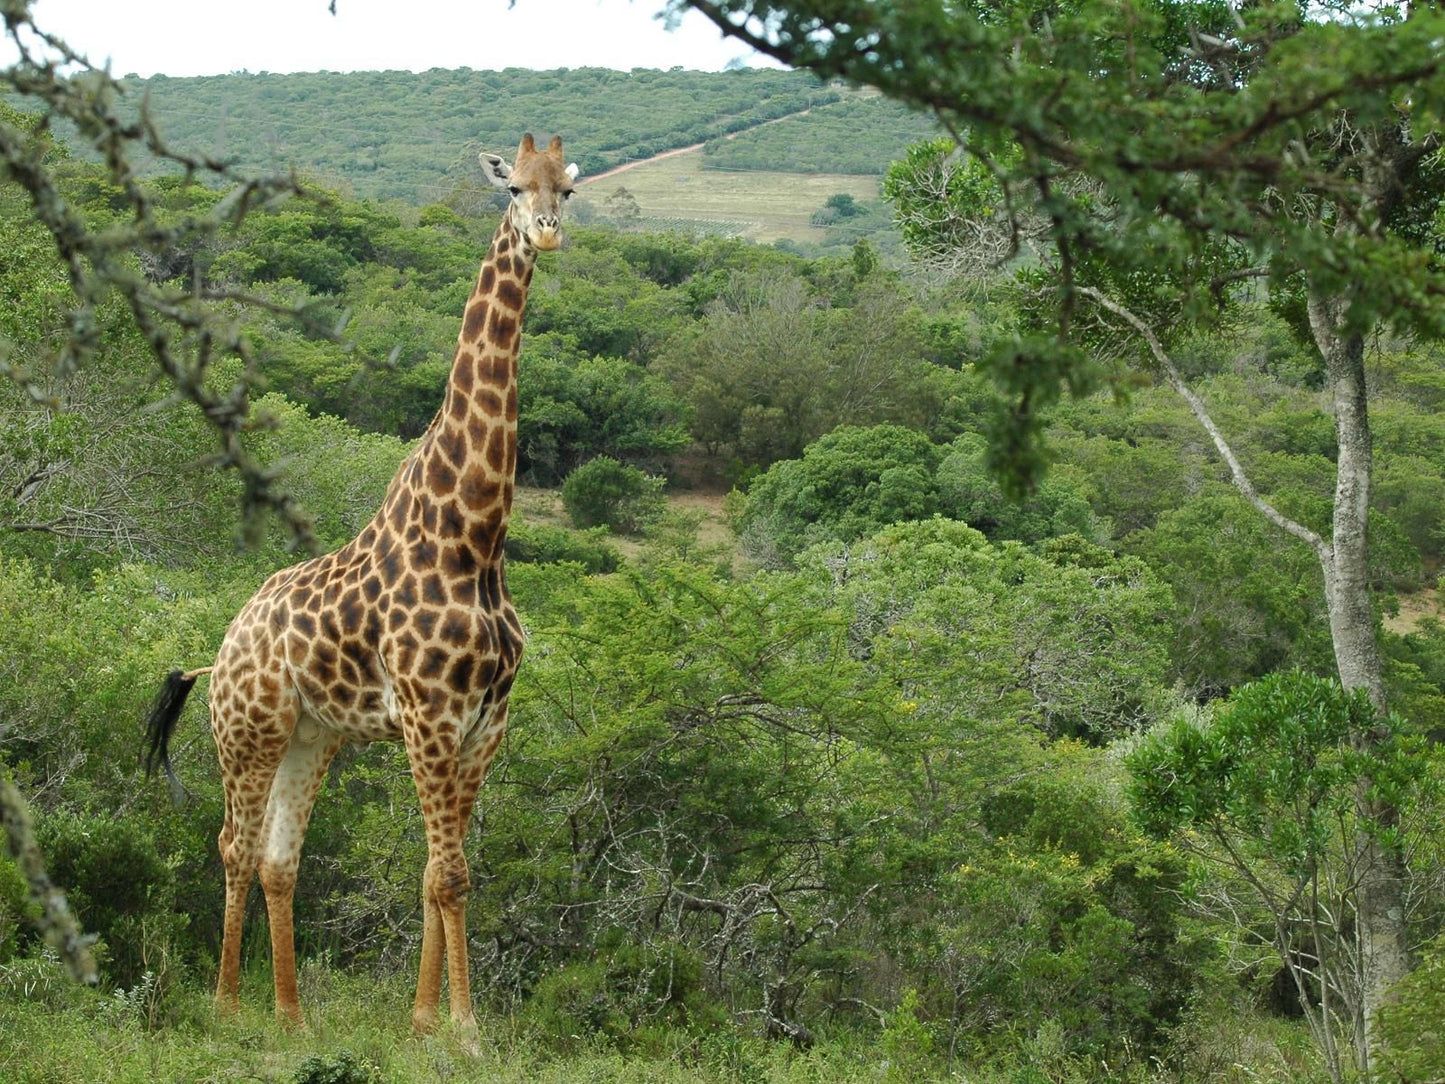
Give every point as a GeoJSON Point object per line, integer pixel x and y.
{"type": "Point", "coordinates": [630, 996]}
{"type": "Point", "coordinates": [540, 544]}
{"type": "Point", "coordinates": [342, 1068]}
{"type": "Point", "coordinates": [605, 492]}
{"type": "Point", "coordinates": [1413, 1042]}
{"type": "Point", "coordinates": [848, 484]}
{"type": "Point", "coordinates": [119, 885]}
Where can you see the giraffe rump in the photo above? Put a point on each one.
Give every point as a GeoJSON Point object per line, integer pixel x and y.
{"type": "Point", "coordinates": [161, 721]}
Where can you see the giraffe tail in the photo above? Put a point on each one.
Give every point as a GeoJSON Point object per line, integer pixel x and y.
{"type": "Point", "coordinates": [162, 721]}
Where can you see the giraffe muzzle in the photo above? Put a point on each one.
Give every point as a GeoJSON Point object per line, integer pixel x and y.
{"type": "Point", "coordinates": [547, 238]}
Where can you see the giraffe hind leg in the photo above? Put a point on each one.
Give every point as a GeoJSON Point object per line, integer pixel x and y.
{"type": "Point", "coordinates": [293, 795]}
{"type": "Point", "coordinates": [248, 767]}
{"type": "Point", "coordinates": [240, 846]}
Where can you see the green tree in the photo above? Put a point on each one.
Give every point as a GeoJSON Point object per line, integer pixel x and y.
{"type": "Point", "coordinates": [967, 490]}
{"type": "Point", "coordinates": [604, 492]}
{"type": "Point", "coordinates": [847, 485]}
{"type": "Point", "coordinates": [1150, 158]}
{"type": "Point", "coordinates": [1265, 791]}
{"type": "Point", "coordinates": [852, 364]}
{"type": "Point", "coordinates": [574, 407]}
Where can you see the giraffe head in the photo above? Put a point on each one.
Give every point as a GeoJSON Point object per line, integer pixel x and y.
{"type": "Point", "coordinates": [539, 182]}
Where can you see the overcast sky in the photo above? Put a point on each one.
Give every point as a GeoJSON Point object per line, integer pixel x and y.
{"type": "Point", "coordinates": [207, 37]}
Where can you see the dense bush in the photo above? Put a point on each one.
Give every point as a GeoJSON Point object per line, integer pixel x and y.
{"type": "Point", "coordinates": [848, 484]}
{"type": "Point", "coordinates": [119, 886]}
{"type": "Point", "coordinates": [541, 544]}
{"type": "Point", "coordinates": [603, 492]}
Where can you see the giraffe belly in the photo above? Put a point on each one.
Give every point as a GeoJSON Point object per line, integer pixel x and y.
{"type": "Point", "coordinates": [364, 714]}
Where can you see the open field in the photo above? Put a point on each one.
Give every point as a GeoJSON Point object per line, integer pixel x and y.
{"type": "Point", "coordinates": [1414, 610]}
{"type": "Point", "coordinates": [544, 507]}
{"type": "Point", "coordinates": [765, 206]}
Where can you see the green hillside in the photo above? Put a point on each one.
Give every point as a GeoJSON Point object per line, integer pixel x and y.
{"type": "Point", "coordinates": [414, 136]}
{"type": "Point", "coordinates": [856, 134]}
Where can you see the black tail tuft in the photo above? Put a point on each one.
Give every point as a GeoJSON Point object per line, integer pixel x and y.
{"type": "Point", "coordinates": [161, 721]}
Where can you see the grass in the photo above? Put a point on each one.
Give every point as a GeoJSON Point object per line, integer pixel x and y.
{"type": "Point", "coordinates": [54, 1032]}
{"type": "Point", "coordinates": [765, 206]}
{"type": "Point", "coordinates": [358, 1033]}
{"type": "Point", "coordinates": [544, 506]}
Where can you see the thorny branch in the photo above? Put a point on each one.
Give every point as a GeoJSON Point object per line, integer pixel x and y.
{"type": "Point", "coordinates": [185, 329]}
{"type": "Point", "coordinates": [61, 931]}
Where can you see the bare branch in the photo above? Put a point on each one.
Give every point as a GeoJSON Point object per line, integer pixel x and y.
{"type": "Point", "coordinates": [1201, 414]}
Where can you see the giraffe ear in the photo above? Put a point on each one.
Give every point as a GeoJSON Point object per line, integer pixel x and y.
{"type": "Point", "coordinates": [571, 170]}
{"type": "Point", "coordinates": [495, 168]}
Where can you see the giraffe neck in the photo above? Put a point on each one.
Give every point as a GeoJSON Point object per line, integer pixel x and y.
{"type": "Point", "coordinates": [455, 489]}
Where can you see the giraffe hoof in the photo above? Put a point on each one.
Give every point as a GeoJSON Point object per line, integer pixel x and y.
{"type": "Point", "coordinates": [468, 1037]}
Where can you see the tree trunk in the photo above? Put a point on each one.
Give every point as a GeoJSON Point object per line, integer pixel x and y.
{"type": "Point", "coordinates": [1384, 954]}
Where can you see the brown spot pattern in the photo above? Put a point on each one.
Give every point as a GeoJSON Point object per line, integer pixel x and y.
{"type": "Point", "coordinates": [406, 632]}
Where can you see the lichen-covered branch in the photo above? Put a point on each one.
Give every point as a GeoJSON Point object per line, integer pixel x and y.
{"type": "Point", "coordinates": [55, 920]}
{"type": "Point", "coordinates": [185, 326]}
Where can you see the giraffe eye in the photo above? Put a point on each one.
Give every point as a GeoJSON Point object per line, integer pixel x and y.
{"type": "Point", "coordinates": [514, 190]}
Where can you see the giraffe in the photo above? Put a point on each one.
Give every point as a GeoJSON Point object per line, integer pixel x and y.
{"type": "Point", "coordinates": [406, 632]}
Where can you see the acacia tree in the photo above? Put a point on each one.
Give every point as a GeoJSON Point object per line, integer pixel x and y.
{"type": "Point", "coordinates": [1151, 156]}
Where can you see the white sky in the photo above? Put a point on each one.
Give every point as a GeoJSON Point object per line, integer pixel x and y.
{"type": "Point", "coordinates": [206, 37]}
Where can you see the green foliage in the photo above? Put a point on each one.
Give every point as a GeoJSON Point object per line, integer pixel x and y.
{"type": "Point", "coordinates": [603, 492]}
{"type": "Point", "coordinates": [907, 1042]}
{"type": "Point", "coordinates": [632, 996]}
{"type": "Point", "coordinates": [1247, 601]}
{"type": "Point", "coordinates": [1069, 641]}
{"type": "Point", "coordinates": [1061, 504]}
{"type": "Point", "coordinates": [542, 544]}
{"type": "Point", "coordinates": [1413, 1046]}
{"type": "Point", "coordinates": [342, 1068]}
{"type": "Point", "coordinates": [849, 484]}
{"type": "Point", "coordinates": [855, 364]}
{"type": "Point", "coordinates": [119, 886]}
{"type": "Point", "coordinates": [1270, 791]}
{"type": "Point", "coordinates": [1276, 762]}
{"type": "Point", "coordinates": [574, 407]}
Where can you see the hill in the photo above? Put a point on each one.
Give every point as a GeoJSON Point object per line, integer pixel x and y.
{"type": "Point", "coordinates": [414, 136]}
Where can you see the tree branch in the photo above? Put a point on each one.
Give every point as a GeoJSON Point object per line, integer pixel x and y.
{"type": "Point", "coordinates": [1201, 414]}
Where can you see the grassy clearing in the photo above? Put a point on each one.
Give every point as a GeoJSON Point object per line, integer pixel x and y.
{"type": "Point", "coordinates": [544, 507]}
{"type": "Point", "coordinates": [358, 1033]}
{"type": "Point", "coordinates": [1415, 609]}
{"type": "Point", "coordinates": [766, 206]}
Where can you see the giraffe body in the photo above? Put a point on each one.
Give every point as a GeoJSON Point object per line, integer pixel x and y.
{"type": "Point", "coordinates": [405, 633]}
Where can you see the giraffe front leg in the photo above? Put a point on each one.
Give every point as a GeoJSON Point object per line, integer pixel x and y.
{"type": "Point", "coordinates": [433, 749]}
{"type": "Point", "coordinates": [472, 764]}
{"type": "Point", "coordinates": [293, 795]}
